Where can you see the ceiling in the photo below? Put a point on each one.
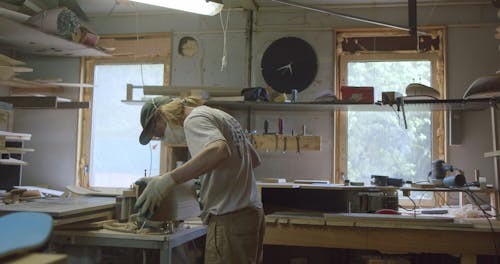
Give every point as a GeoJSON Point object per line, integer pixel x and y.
{"type": "Point", "coordinates": [100, 7]}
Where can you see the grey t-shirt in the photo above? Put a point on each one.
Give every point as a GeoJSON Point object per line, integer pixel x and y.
{"type": "Point", "coordinates": [231, 186]}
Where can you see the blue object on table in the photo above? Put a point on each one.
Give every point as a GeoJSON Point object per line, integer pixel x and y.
{"type": "Point", "coordinates": [23, 231]}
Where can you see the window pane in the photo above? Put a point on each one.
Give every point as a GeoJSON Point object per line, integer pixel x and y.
{"type": "Point", "coordinates": [378, 143]}
{"type": "Point", "coordinates": [117, 158]}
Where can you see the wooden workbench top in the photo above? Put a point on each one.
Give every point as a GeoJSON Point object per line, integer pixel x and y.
{"type": "Point", "coordinates": [381, 221]}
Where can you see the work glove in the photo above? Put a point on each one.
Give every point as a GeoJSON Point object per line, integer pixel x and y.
{"type": "Point", "coordinates": [156, 190]}
{"type": "Point", "coordinates": [142, 182]}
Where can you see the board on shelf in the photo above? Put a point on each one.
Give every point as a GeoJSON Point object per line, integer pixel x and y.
{"type": "Point", "coordinates": [15, 150]}
{"type": "Point", "coordinates": [42, 102]}
{"type": "Point", "coordinates": [15, 82]}
{"type": "Point", "coordinates": [15, 136]}
{"type": "Point", "coordinates": [28, 39]}
{"type": "Point", "coordinates": [12, 161]}
{"type": "Point", "coordinates": [492, 154]}
{"type": "Point", "coordinates": [277, 142]}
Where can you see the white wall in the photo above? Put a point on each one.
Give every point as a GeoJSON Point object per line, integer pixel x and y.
{"type": "Point", "coordinates": [53, 132]}
{"type": "Point", "coordinates": [472, 52]}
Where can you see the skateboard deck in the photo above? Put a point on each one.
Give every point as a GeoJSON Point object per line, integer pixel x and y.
{"type": "Point", "coordinates": [23, 231]}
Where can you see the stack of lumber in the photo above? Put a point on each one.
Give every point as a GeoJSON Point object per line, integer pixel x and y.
{"type": "Point", "coordinates": [364, 220]}
{"type": "Point", "coordinates": [10, 68]}
{"type": "Point", "coordinates": [67, 210]}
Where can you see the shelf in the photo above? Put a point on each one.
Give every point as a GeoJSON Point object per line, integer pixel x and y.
{"type": "Point", "coordinates": [42, 102]}
{"type": "Point", "coordinates": [15, 136]}
{"type": "Point", "coordinates": [15, 150]}
{"type": "Point", "coordinates": [443, 189]}
{"type": "Point", "coordinates": [492, 154]}
{"type": "Point", "coordinates": [133, 102]}
{"type": "Point", "coordinates": [12, 161]}
{"type": "Point", "coordinates": [28, 39]}
{"type": "Point", "coordinates": [409, 105]}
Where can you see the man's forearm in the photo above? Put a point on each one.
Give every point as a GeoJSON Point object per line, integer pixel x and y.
{"type": "Point", "coordinates": [208, 159]}
{"type": "Point", "coordinates": [256, 160]}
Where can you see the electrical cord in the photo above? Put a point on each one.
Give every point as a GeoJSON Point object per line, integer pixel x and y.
{"type": "Point", "coordinates": [487, 215]}
{"type": "Point", "coordinates": [414, 206]}
{"type": "Point", "coordinates": [474, 196]}
{"type": "Point", "coordinates": [224, 32]}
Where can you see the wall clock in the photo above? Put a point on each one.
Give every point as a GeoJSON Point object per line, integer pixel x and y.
{"type": "Point", "coordinates": [289, 63]}
{"type": "Point", "coordinates": [188, 46]}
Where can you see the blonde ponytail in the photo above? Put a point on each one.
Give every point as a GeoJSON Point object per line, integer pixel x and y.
{"type": "Point", "coordinates": [174, 111]}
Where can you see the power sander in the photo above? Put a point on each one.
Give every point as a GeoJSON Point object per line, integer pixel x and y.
{"type": "Point", "coordinates": [445, 175]}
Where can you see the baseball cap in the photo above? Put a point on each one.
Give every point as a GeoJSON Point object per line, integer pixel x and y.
{"type": "Point", "coordinates": [147, 112]}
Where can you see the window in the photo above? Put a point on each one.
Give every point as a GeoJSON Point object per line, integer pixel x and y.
{"type": "Point", "coordinates": [377, 143]}
{"type": "Point", "coordinates": [110, 152]}
{"type": "Point", "coordinates": [116, 157]}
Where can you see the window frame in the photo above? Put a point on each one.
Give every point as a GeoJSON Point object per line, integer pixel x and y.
{"type": "Point", "coordinates": [130, 49]}
{"type": "Point", "coordinates": [438, 81]}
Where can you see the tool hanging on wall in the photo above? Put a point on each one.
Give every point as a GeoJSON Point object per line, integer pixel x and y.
{"type": "Point", "coordinates": [280, 126]}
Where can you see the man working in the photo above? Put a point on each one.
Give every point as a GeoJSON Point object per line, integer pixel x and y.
{"type": "Point", "coordinates": [224, 159]}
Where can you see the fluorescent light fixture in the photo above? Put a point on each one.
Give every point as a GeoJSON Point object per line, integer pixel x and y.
{"type": "Point", "coordinates": [202, 7]}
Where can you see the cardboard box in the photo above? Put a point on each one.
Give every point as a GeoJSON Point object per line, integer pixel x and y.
{"type": "Point", "coordinates": [357, 94]}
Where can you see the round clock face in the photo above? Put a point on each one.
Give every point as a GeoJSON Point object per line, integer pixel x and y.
{"type": "Point", "coordinates": [188, 46]}
{"type": "Point", "coordinates": [289, 63]}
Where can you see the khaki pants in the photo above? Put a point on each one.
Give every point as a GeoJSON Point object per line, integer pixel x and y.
{"type": "Point", "coordinates": [235, 237]}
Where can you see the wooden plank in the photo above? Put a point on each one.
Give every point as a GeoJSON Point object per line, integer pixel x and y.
{"type": "Point", "coordinates": [104, 215]}
{"type": "Point", "coordinates": [180, 204]}
{"type": "Point", "coordinates": [110, 192]}
{"type": "Point", "coordinates": [277, 185]}
{"type": "Point", "coordinates": [16, 91]}
{"type": "Point", "coordinates": [385, 217]}
{"type": "Point", "coordinates": [31, 101]}
{"type": "Point", "coordinates": [396, 240]}
{"type": "Point", "coordinates": [39, 258]}
{"type": "Point", "coordinates": [72, 105]}
{"type": "Point", "coordinates": [6, 60]}
{"type": "Point", "coordinates": [297, 218]}
{"type": "Point", "coordinates": [42, 102]}
{"type": "Point", "coordinates": [86, 225]}
{"type": "Point", "coordinates": [286, 142]}
{"type": "Point", "coordinates": [212, 91]}
{"type": "Point", "coordinates": [71, 85]}
{"type": "Point", "coordinates": [491, 154]}
{"type": "Point", "coordinates": [60, 207]}
{"type": "Point", "coordinates": [20, 83]}
{"type": "Point", "coordinates": [15, 150]}
{"type": "Point", "coordinates": [265, 142]}
{"type": "Point", "coordinates": [15, 136]}
{"type": "Point", "coordinates": [12, 161]}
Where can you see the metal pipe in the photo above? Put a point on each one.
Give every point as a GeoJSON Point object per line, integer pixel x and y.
{"type": "Point", "coordinates": [494, 145]}
{"type": "Point", "coordinates": [412, 21]}
{"type": "Point", "coordinates": [290, 3]}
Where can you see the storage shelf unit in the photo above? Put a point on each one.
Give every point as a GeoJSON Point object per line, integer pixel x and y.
{"type": "Point", "coordinates": [405, 104]}
{"type": "Point", "coordinates": [12, 146]}
{"type": "Point", "coordinates": [409, 105]}
{"type": "Point", "coordinates": [27, 39]}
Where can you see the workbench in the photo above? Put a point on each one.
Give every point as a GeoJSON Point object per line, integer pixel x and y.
{"type": "Point", "coordinates": [467, 239]}
{"type": "Point", "coordinates": [107, 238]}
